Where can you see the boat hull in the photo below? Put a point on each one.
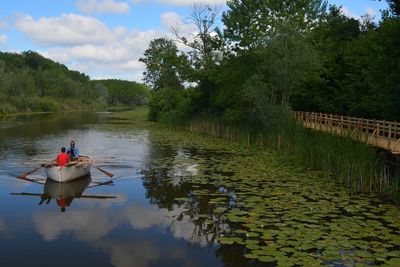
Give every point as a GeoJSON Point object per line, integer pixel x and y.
{"type": "Point", "coordinates": [69, 172]}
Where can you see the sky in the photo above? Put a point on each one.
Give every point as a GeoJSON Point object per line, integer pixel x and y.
{"type": "Point", "coordinates": [105, 38]}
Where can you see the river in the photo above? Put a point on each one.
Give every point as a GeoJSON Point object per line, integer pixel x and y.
{"type": "Point", "coordinates": [177, 199]}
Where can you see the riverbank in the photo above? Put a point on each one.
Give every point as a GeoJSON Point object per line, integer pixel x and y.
{"type": "Point", "coordinates": [230, 201]}
{"type": "Point", "coordinates": [258, 203]}
{"type": "Point", "coordinates": [347, 162]}
{"type": "Point", "coordinates": [82, 108]}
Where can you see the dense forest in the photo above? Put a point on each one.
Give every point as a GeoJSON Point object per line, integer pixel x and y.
{"type": "Point", "coordinates": [30, 82]}
{"type": "Point", "coordinates": [242, 80]}
{"type": "Point", "coordinates": [268, 55]}
{"type": "Point", "coordinates": [121, 92]}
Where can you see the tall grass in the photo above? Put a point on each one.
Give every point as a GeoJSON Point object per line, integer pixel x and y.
{"type": "Point", "coordinates": [349, 162]}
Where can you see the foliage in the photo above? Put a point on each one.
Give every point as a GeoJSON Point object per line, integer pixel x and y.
{"type": "Point", "coordinates": [169, 105]}
{"type": "Point", "coordinates": [293, 54]}
{"type": "Point", "coordinates": [163, 65]}
{"type": "Point", "coordinates": [30, 82]}
{"type": "Point", "coordinates": [118, 92]}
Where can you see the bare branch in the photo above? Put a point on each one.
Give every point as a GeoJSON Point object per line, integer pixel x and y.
{"type": "Point", "coordinates": [203, 17]}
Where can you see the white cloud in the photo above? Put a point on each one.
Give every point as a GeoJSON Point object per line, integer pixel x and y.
{"type": "Point", "coordinates": [68, 29]}
{"type": "Point", "coordinates": [191, 2]}
{"type": "Point", "coordinates": [93, 223]}
{"type": "Point", "coordinates": [3, 39]}
{"type": "Point", "coordinates": [183, 2]}
{"type": "Point", "coordinates": [88, 45]}
{"type": "Point", "coordinates": [3, 25]}
{"type": "Point", "coordinates": [151, 216]}
{"type": "Point", "coordinates": [141, 254]}
{"type": "Point", "coordinates": [370, 12]}
{"type": "Point", "coordinates": [103, 6]}
{"type": "Point", "coordinates": [116, 57]}
{"type": "Point", "coordinates": [349, 13]}
{"type": "Point", "coordinates": [172, 21]}
{"type": "Point", "coordinates": [86, 225]}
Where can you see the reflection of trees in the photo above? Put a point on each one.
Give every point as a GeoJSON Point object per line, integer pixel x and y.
{"type": "Point", "coordinates": [161, 190]}
{"type": "Point", "coordinates": [232, 255]}
{"type": "Point", "coordinates": [199, 199]}
{"type": "Point", "coordinates": [40, 125]}
{"type": "Point", "coordinates": [156, 180]}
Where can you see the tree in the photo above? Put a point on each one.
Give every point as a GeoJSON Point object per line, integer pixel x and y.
{"type": "Point", "coordinates": [119, 92]}
{"type": "Point", "coordinates": [331, 38]}
{"type": "Point", "coordinates": [394, 6]}
{"type": "Point", "coordinates": [253, 23]}
{"type": "Point", "coordinates": [206, 48]}
{"type": "Point", "coordinates": [205, 41]}
{"type": "Point", "coordinates": [163, 65]}
{"type": "Point", "coordinates": [281, 29]}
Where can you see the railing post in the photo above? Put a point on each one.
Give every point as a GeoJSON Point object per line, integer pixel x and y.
{"type": "Point", "coordinates": [385, 133]}
{"type": "Point", "coordinates": [389, 134]}
{"type": "Point", "coordinates": [341, 124]}
{"type": "Point", "coordinates": [378, 129]}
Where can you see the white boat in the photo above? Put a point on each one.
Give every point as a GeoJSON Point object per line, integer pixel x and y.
{"type": "Point", "coordinates": [73, 170]}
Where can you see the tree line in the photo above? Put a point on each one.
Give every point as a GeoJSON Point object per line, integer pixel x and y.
{"type": "Point", "coordinates": [269, 55]}
{"type": "Point", "coordinates": [30, 82]}
{"type": "Point", "coordinates": [120, 92]}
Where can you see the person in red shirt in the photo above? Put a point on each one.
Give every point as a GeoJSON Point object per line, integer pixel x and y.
{"type": "Point", "coordinates": [62, 158]}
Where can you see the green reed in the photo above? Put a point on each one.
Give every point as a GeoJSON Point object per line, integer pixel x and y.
{"type": "Point", "coordinates": [349, 162]}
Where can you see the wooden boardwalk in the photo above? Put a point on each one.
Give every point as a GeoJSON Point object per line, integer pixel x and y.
{"type": "Point", "coordinates": [384, 134]}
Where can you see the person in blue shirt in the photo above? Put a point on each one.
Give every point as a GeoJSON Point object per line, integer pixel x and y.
{"type": "Point", "coordinates": [73, 151]}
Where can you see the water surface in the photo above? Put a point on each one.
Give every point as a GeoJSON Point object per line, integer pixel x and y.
{"type": "Point", "coordinates": [176, 200]}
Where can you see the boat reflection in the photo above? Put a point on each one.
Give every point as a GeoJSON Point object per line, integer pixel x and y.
{"type": "Point", "coordinates": [65, 193]}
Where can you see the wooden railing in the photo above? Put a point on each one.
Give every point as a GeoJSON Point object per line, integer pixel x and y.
{"type": "Point", "coordinates": [385, 134]}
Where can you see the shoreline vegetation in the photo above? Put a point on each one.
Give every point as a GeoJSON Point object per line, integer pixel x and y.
{"type": "Point", "coordinates": [30, 82]}
{"type": "Point", "coordinates": [352, 164]}
{"type": "Point", "coordinates": [241, 77]}
{"type": "Point", "coordinates": [120, 108]}
{"type": "Point", "coordinates": [348, 162]}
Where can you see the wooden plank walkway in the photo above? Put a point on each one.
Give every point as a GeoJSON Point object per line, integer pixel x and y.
{"type": "Point", "coordinates": [384, 134]}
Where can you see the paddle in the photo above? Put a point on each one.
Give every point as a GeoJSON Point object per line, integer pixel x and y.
{"type": "Point", "coordinates": [23, 176]}
{"type": "Point", "coordinates": [109, 174]}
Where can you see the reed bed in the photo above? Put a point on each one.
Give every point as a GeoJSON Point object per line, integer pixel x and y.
{"type": "Point", "coordinates": [348, 162]}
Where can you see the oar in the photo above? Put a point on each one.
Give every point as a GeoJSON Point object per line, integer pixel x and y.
{"type": "Point", "coordinates": [100, 184]}
{"type": "Point", "coordinates": [23, 176]}
{"type": "Point", "coordinates": [109, 174]}
{"type": "Point", "coordinates": [97, 197]}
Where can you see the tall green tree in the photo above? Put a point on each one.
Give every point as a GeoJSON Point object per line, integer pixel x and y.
{"type": "Point", "coordinates": [205, 46]}
{"type": "Point", "coordinates": [163, 65]}
{"type": "Point", "coordinates": [331, 39]}
{"type": "Point", "coordinates": [394, 6]}
{"type": "Point", "coordinates": [281, 29]}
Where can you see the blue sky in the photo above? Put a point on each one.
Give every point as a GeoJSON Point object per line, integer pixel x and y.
{"type": "Point", "coordinates": [106, 38]}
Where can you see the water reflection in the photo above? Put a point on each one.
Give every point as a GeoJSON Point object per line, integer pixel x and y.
{"type": "Point", "coordinates": [137, 228]}
{"type": "Point", "coordinates": [172, 177]}
{"type": "Point", "coordinates": [183, 202]}
{"type": "Point", "coordinates": [64, 193]}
